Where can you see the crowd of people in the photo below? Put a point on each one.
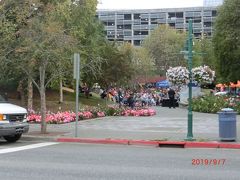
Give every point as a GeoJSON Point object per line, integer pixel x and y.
{"type": "Point", "coordinates": [141, 97]}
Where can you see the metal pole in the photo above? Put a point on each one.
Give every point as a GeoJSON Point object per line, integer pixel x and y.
{"type": "Point", "coordinates": [76, 76]}
{"type": "Point", "coordinates": [77, 106]}
{"type": "Point", "coordinates": [190, 56]}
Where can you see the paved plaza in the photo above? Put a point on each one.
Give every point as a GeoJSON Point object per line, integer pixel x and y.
{"type": "Point", "coordinates": [167, 124]}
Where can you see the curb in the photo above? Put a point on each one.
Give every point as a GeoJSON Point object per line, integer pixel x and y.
{"type": "Point", "coordinates": [173, 144]}
{"type": "Point", "coordinates": [37, 138]}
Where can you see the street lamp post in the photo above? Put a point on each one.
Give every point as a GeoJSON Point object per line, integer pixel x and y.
{"type": "Point", "coordinates": [190, 56]}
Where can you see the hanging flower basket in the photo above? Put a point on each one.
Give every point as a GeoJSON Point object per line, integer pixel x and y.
{"type": "Point", "coordinates": [203, 75]}
{"type": "Point", "coordinates": [177, 75]}
{"type": "Point", "coordinates": [180, 75]}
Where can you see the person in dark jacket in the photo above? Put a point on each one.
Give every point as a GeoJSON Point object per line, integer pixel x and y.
{"type": "Point", "coordinates": [120, 97]}
{"type": "Point", "coordinates": [171, 95]}
{"type": "Point", "coordinates": [131, 101]}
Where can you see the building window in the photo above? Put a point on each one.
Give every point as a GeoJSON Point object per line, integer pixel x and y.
{"type": "Point", "coordinates": [127, 17]}
{"type": "Point", "coordinates": [144, 22]}
{"type": "Point", "coordinates": [136, 42]}
{"type": "Point", "coordinates": [197, 20]}
{"type": "Point", "coordinates": [171, 24]}
{"type": "Point", "coordinates": [110, 23]}
{"type": "Point", "coordinates": [137, 16]}
{"type": "Point", "coordinates": [140, 33]}
{"type": "Point", "coordinates": [214, 13]}
{"type": "Point", "coordinates": [207, 24]}
{"type": "Point", "coordinates": [144, 32]}
{"type": "Point", "coordinates": [137, 33]}
{"type": "Point", "coordinates": [111, 33]}
{"type": "Point", "coordinates": [119, 26]}
{"type": "Point", "coordinates": [171, 15]}
{"type": "Point", "coordinates": [127, 26]}
{"type": "Point", "coordinates": [179, 15]}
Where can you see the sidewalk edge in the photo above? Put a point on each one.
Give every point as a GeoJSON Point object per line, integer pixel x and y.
{"type": "Point", "coordinates": [181, 144]}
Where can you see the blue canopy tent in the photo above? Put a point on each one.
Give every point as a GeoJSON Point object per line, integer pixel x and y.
{"type": "Point", "coordinates": [162, 84]}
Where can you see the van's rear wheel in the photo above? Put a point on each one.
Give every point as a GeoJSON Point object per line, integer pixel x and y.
{"type": "Point", "coordinates": [12, 138]}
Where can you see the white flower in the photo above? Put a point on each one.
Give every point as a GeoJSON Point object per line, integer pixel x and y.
{"type": "Point", "coordinates": [180, 75]}
{"type": "Point", "coordinates": [203, 74]}
{"type": "Point", "coordinates": [177, 75]}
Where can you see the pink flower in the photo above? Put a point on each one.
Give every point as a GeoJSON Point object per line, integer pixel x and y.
{"type": "Point", "coordinates": [69, 116]}
{"type": "Point", "coordinates": [100, 114]}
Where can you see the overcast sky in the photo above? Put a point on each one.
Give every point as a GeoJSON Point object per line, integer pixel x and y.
{"type": "Point", "coordinates": [147, 4]}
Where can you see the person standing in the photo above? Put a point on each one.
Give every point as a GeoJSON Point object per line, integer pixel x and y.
{"type": "Point", "coordinates": [120, 97]}
{"type": "Point", "coordinates": [171, 96]}
{"type": "Point", "coordinates": [131, 101]}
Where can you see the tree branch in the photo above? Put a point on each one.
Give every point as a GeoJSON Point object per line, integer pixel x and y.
{"type": "Point", "coordinates": [29, 75]}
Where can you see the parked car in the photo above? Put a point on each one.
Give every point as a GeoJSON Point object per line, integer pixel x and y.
{"type": "Point", "coordinates": [13, 121]}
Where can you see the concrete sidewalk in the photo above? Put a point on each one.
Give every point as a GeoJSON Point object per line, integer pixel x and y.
{"type": "Point", "coordinates": [167, 125]}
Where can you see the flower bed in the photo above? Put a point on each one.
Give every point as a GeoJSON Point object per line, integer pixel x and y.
{"type": "Point", "coordinates": [88, 113]}
{"type": "Point", "coordinates": [139, 112]}
{"type": "Point", "coordinates": [213, 104]}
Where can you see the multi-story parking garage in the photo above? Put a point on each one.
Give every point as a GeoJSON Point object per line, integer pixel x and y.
{"type": "Point", "coordinates": [134, 25]}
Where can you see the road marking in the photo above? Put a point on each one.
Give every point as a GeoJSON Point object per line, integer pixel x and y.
{"type": "Point", "coordinates": [32, 146]}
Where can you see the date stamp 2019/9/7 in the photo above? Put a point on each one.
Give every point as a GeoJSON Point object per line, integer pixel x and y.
{"type": "Point", "coordinates": [208, 162]}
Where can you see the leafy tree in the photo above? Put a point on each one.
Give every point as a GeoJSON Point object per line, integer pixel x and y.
{"type": "Point", "coordinates": [165, 44]}
{"type": "Point", "coordinates": [14, 16]}
{"type": "Point", "coordinates": [204, 53]}
{"type": "Point", "coordinates": [45, 41]}
{"type": "Point", "coordinates": [44, 34]}
{"type": "Point", "coordinates": [117, 67]}
{"type": "Point", "coordinates": [80, 22]}
{"type": "Point", "coordinates": [143, 63]}
{"type": "Point", "coordinates": [227, 40]}
{"type": "Point", "coordinates": [36, 47]}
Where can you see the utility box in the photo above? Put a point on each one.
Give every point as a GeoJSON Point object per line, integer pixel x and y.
{"type": "Point", "coordinates": [227, 124]}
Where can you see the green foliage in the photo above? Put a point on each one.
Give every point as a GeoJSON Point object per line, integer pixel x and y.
{"type": "Point", "coordinates": [80, 22]}
{"type": "Point", "coordinates": [205, 53]}
{"type": "Point", "coordinates": [112, 110]}
{"type": "Point", "coordinates": [165, 44]}
{"type": "Point", "coordinates": [109, 110]}
{"type": "Point", "coordinates": [10, 24]}
{"type": "Point", "coordinates": [33, 30]}
{"type": "Point", "coordinates": [213, 104]}
{"type": "Point", "coordinates": [117, 67]}
{"type": "Point", "coordinates": [143, 62]}
{"type": "Point", "coordinates": [42, 43]}
{"type": "Point", "coordinates": [237, 107]}
{"type": "Point", "coordinates": [227, 39]}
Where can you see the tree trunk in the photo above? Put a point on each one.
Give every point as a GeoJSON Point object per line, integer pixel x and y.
{"type": "Point", "coordinates": [20, 91]}
{"type": "Point", "coordinates": [61, 91]}
{"type": "Point", "coordinates": [30, 94]}
{"type": "Point", "coordinates": [43, 111]}
{"type": "Point", "coordinates": [43, 100]}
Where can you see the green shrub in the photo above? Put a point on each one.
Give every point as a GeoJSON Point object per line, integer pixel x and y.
{"type": "Point", "coordinates": [113, 110]}
{"type": "Point", "coordinates": [237, 107]}
{"type": "Point", "coordinates": [213, 104]}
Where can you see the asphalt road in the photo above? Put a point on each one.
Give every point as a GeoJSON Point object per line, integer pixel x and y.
{"type": "Point", "coordinates": [61, 161]}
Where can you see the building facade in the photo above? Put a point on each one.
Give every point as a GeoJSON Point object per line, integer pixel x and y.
{"type": "Point", "coordinates": [207, 3]}
{"type": "Point", "coordinates": [134, 25]}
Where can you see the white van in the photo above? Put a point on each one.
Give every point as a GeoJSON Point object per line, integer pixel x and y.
{"type": "Point", "coordinates": [13, 121]}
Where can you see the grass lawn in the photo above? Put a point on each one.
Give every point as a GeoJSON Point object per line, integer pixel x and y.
{"type": "Point", "coordinates": [53, 104]}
